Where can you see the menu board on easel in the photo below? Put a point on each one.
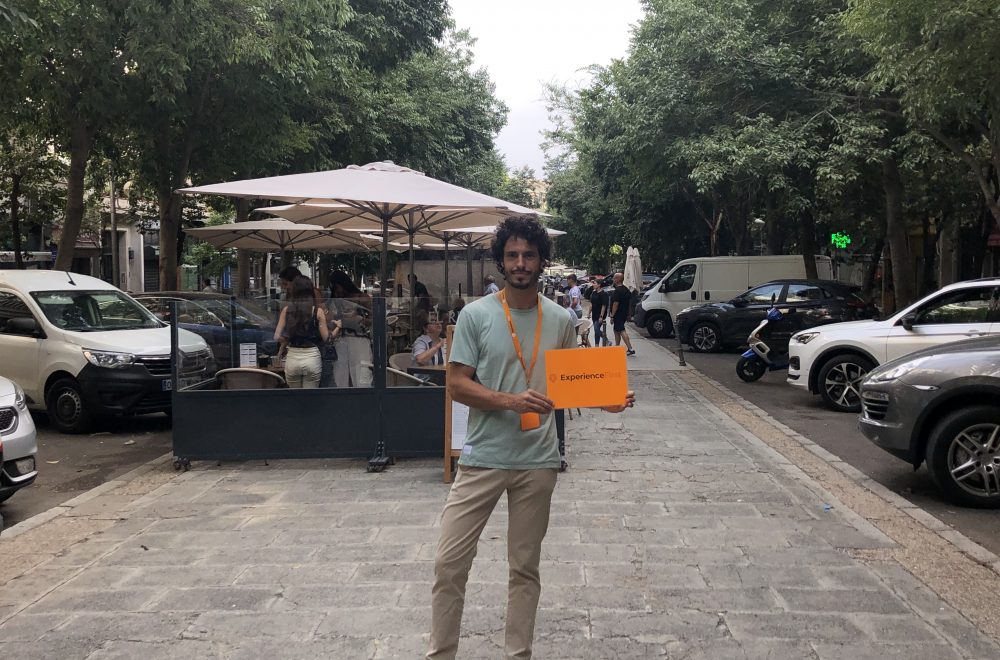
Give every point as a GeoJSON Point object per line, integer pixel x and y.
{"type": "Point", "coordinates": [456, 422]}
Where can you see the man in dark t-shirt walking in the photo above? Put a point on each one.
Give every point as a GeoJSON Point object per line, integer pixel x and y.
{"type": "Point", "coordinates": [619, 312]}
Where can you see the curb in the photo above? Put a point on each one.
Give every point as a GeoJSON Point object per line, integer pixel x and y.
{"type": "Point", "coordinates": [964, 544]}
{"type": "Point", "coordinates": [40, 519]}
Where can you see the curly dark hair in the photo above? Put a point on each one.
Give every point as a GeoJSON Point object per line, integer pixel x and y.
{"type": "Point", "coordinates": [521, 226]}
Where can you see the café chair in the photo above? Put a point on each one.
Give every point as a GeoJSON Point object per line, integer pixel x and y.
{"type": "Point", "coordinates": [400, 361]}
{"type": "Point", "coordinates": [248, 378]}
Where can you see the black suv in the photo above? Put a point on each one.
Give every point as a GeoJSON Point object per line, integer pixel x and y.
{"type": "Point", "coordinates": [714, 326]}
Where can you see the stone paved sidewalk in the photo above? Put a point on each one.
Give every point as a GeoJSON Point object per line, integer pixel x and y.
{"type": "Point", "coordinates": [675, 534]}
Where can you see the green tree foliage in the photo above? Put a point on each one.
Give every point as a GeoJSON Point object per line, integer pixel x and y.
{"type": "Point", "coordinates": [729, 111]}
{"type": "Point", "coordinates": [65, 74]}
{"type": "Point", "coordinates": [520, 187]}
{"type": "Point", "coordinates": [940, 58]}
{"type": "Point", "coordinates": [30, 192]}
{"type": "Point", "coordinates": [165, 93]}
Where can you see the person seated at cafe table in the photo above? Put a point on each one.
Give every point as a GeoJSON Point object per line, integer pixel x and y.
{"type": "Point", "coordinates": [427, 349]}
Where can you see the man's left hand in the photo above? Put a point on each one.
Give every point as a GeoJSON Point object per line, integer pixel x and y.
{"type": "Point", "coordinates": [629, 402]}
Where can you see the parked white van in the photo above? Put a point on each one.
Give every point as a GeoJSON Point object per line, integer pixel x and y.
{"type": "Point", "coordinates": [80, 348]}
{"type": "Point", "coordinates": [715, 279]}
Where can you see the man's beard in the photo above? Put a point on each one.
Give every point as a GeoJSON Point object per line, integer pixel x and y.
{"type": "Point", "coordinates": [532, 282]}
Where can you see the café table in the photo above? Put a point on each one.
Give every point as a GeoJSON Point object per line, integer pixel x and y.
{"type": "Point", "coordinates": [436, 372]}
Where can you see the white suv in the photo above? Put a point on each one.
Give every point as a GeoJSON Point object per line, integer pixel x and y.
{"type": "Point", "coordinates": [80, 348]}
{"type": "Point", "coordinates": [833, 360]}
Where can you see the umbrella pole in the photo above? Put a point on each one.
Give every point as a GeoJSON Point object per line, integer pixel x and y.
{"type": "Point", "coordinates": [482, 267]}
{"type": "Point", "coordinates": [384, 267]}
{"type": "Point", "coordinates": [468, 269]}
{"type": "Point", "coordinates": [447, 296]}
{"type": "Point", "coordinates": [411, 282]}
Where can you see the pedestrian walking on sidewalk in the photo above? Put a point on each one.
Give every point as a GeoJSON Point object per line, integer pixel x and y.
{"type": "Point", "coordinates": [497, 368]}
{"type": "Point", "coordinates": [599, 312]}
{"type": "Point", "coordinates": [575, 296]}
{"type": "Point", "coordinates": [620, 298]}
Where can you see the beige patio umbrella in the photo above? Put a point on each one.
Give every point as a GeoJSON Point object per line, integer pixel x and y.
{"type": "Point", "coordinates": [633, 270]}
{"type": "Point", "coordinates": [469, 239]}
{"type": "Point", "coordinates": [282, 235]}
{"type": "Point", "coordinates": [378, 196]}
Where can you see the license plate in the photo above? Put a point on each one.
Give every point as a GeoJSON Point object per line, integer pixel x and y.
{"type": "Point", "coordinates": [25, 465]}
{"type": "Point", "coordinates": [181, 383]}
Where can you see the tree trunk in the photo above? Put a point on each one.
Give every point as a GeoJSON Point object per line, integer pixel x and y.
{"type": "Point", "coordinates": [772, 228]}
{"type": "Point", "coordinates": [242, 288]}
{"type": "Point", "coordinates": [15, 221]}
{"type": "Point", "coordinates": [807, 241]}
{"type": "Point", "coordinates": [896, 235]}
{"type": "Point", "coordinates": [79, 153]}
{"type": "Point", "coordinates": [868, 284]}
{"type": "Point", "coordinates": [170, 222]}
{"type": "Point", "coordinates": [928, 282]}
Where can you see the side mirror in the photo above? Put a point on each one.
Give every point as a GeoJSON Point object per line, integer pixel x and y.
{"type": "Point", "coordinates": [907, 322]}
{"type": "Point", "coordinates": [738, 302]}
{"type": "Point", "coordinates": [24, 325]}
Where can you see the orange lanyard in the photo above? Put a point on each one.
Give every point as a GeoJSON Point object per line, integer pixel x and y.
{"type": "Point", "coordinates": [517, 342]}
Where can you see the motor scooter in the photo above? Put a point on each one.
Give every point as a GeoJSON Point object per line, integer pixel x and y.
{"type": "Point", "coordinates": [760, 358]}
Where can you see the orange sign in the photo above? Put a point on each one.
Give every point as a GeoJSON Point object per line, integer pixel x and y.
{"type": "Point", "coordinates": [586, 377]}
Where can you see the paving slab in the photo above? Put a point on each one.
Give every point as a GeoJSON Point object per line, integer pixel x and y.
{"type": "Point", "coordinates": [677, 532]}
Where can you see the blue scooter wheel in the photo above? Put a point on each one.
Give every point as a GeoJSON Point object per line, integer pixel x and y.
{"type": "Point", "coordinates": [750, 369]}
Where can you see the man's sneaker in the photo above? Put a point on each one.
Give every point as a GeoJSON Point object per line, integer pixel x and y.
{"type": "Point", "coordinates": [629, 353]}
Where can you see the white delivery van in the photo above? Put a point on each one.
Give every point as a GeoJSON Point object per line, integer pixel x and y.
{"type": "Point", "coordinates": [714, 279]}
{"type": "Point", "coordinates": [80, 348]}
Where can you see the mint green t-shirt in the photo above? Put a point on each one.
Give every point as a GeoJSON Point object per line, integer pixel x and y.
{"type": "Point", "coordinates": [482, 340]}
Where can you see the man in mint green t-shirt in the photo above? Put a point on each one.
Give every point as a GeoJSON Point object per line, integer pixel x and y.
{"type": "Point", "coordinates": [497, 368]}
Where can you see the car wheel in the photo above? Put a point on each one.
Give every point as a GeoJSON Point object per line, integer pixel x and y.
{"type": "Point", "coordinates": [840, 382]}
{"type": "Point", "coordinates": [66, 408]}
{"type": "Point", "coordinates": [705, 338]}
{"type": "Point", "coordinates": [659, 326]}
{"type": "Point", "coordinates": [963, 456]}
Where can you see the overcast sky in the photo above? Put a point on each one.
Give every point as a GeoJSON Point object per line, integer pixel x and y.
{"type": "Point", "coordinates": [527, 43]}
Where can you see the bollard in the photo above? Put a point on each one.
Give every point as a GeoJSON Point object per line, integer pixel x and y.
{"type": "Point", "coordinates": [680, 352]}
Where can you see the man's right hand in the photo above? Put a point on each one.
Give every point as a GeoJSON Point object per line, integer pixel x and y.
{"type": "Point", "coordinates": [530, 401]}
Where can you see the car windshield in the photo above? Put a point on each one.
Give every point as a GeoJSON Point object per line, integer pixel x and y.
{"type": "Point", "coordinates": [93, 311]}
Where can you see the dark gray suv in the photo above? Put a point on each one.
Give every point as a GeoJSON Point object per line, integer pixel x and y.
{"type": "Point", "coordinates": [942, 405]}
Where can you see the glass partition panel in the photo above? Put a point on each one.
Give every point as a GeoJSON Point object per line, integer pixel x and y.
{"type": "Point", "coordinates": [225, 342]}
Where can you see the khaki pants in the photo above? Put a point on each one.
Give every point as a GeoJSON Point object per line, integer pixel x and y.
{"type": "Point", "coordinates": [303, 367]}
{"type": "Point", "coordinates": [470, 503]}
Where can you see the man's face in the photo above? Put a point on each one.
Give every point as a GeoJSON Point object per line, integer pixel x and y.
{"type": "Point", "coordinates": [618, 279]}
{"type": "Point", "coordinates": [521, 263]}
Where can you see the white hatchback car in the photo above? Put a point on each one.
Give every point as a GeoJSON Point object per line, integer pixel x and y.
{"type": "Point", "coordinates": [17, 440]}
{"type": "Point", "coordinates": [833, 360]}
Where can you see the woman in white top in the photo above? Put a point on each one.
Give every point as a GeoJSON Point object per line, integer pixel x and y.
{"type": "Point", "coordinates": [427, 349]}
